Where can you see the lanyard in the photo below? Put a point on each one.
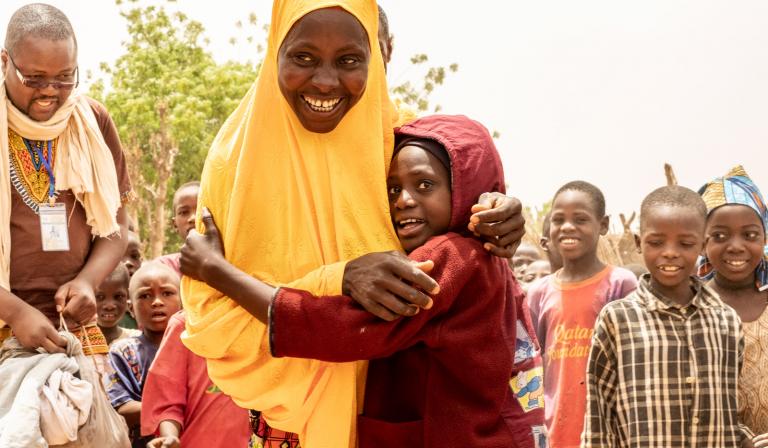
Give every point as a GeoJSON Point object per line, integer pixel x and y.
{"type": "Point", "coordinates": [47, 166]}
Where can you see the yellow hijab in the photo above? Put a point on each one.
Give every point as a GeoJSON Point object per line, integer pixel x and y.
{"type": "Point", "coordinates": [292, 206]}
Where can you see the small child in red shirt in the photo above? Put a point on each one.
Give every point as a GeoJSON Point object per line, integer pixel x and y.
{"type": "Point", "coordinates": [154, 291]}
{"type": "Point", "coordinates": [182, 406]}
{"type": "Point", "coordinates": [184, 208]}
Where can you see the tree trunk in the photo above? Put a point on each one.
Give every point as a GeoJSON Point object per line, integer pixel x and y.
{"type": "Point", "coordinates": [132, 154]}
{"type": "Point", "coordinates": [163, 151]}
{"type": "Point", "coordinates": [157, 237]}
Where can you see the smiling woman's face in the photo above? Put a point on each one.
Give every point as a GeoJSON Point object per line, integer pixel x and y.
{"type": "Point", "coordinates": [323, 67]}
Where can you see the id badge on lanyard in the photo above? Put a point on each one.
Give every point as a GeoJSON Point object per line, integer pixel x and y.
{"type": "Point", "coordinates": [53, 217]}
{"type": "Point", "coordinates": [53, 227]}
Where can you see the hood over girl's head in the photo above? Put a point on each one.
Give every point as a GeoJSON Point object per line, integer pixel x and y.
{"type": "Point", "coordinates": [442, 164]}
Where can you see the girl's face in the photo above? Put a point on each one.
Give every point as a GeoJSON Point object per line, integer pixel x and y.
{"type": "Point", "coordinates": [419, 189]}
{"type": "Point", "coordinates": [735, 242]}
{"type": "Point", "coordinates": [323, 67]}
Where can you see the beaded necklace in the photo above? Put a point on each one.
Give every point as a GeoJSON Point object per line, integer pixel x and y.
{"type": "Point", "coordinates": [29, 174]}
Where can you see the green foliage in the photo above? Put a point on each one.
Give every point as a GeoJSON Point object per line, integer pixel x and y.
{"type": "Point", "coordinates": [166, 70]}
{"type": "Point", "coordinates": [417, 96]}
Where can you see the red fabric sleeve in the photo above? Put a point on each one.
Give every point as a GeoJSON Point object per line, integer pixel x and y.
{"type": "Point", "coordinates": [337, 329]}
{"type": "Point", "coordinates": [165, 390]}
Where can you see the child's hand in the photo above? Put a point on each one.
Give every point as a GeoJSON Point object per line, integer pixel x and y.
{"type": "Point", "coordinates": [76, 301]}
{"type": "Point", "coordinates": [164, 442]}
{"type": "Point", "coordinates": [760, 441]}
{"type": "Point", "coordinates": [498, 220]}
{"type": "Point", "coordinates": [200, 252]}
{"type": "Point", "coordinates": [33, 330]}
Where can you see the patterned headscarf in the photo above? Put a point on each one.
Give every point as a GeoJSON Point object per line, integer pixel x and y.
{"type": "Point", "coordinates": [736, 188]}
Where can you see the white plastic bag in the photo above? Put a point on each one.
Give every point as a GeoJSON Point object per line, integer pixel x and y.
{"type": "Point", "coordinates": [104, 427]}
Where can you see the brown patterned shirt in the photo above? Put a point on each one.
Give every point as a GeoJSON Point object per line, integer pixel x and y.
{"type": "Point", "coordinates": [753, 389]}
{"type": "Point", "coordinates": [664, 375]}
{"type": "Point", "coordinates": [36, 275]}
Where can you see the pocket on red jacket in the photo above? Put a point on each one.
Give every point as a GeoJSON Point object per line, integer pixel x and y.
{"type": "Point", "coordinates": [374, 433]}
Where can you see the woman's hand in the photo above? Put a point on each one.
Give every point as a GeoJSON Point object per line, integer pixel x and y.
{"type": "Point", "coordinates": [760, 441]}
{"type": "Point", "coordinates": [388, 284]}
{"type": "Point", "coordinates": [33, 330]}
{"type": "Point", "coordinates": [498, 220]}
{"type": "Point", "coordinates": [201, 252]}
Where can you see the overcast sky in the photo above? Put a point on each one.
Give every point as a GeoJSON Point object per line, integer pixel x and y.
{"type": "Point", "coordinates": [604, 91]}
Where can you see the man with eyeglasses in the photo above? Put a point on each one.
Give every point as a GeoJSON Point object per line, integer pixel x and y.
{"type": "Point", "coordinates": [63, 181]}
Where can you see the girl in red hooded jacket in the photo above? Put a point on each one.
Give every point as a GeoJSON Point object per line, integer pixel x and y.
{"type": "Point", "coordinates": [466, 371]}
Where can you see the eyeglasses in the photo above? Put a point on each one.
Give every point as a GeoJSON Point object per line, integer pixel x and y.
{"type": "Point", "coordinates": [39, 83]}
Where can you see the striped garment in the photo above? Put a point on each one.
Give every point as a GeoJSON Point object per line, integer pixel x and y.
{"type": "Point", "coordinates": [735, 188]}
{"type": "Point", "coordinates": [662, 375]}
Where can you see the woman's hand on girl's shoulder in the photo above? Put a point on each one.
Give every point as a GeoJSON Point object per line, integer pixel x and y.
{"type": "Point", "coordinates": [498, 220]}
{"type": "Point", "coordinates": [389, 284]}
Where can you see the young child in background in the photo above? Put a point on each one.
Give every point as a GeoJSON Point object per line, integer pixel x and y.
{"type": "Point", "coordinates": [555, 260]}
{"type": "Point", "coordinates": [664, 364]}
{"type": "Point", "coordinates": [112, 303]}
{"type": "Point", "coordinates": [181, 405]}
{"type": "Point", "coordinates": [184, 209]}
{"type": "Point", "coordinates": [132, 259]}
{"type": "Point", "coordinates": [536, 270]}
{"type": "Point", "coordinates": [736, 265]}
{"type": "Point", "coordinates": [464, 372]}
{"type": "Point", "coordinates": [154, 291]}
{"type": "Point", "coordinates": [524, 255]}
{"type": "Point", "coordinates": [564, 306]}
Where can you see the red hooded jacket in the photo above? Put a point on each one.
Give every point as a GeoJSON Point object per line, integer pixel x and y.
{"type": "Point", "coordinates": [440, 378]}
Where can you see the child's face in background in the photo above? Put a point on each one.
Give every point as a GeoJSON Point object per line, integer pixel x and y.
{"type": "Point", "coordinates": [523, 257]}
{"type": "Point", "coordinates": [155, 297]}
{"type": "Point", "coordinates": [112, 300]}
{"type": "Point", "coordinates": [735, 242]}
{"type": "Point", "coordinates": [323, 67]}
{"type": "Point", "coordinates": [536, 270]}
{"type": "Point", "coordinates": [575, 228]}
{"type": "Point", "coordinates": [550, 248]}
{"type": "Point", "coordinates": [419, 189]}
{"type": "Point", "coordinates": [184, 208]}
{"type": "Point", "coordinates": [671, 240]}
{"type": "Point", "coordinates": [132, 257]}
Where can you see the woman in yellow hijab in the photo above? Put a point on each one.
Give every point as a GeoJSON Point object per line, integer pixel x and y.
{"type": "Point", "coordinates": [296, 182]}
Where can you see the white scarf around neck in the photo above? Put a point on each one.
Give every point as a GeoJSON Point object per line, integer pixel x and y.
{"type": "Point", "coordinates": [84, 164]}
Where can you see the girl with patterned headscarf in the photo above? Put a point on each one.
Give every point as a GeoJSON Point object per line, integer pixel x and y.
{"type": "Point", "coordinates": [736, 265]}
